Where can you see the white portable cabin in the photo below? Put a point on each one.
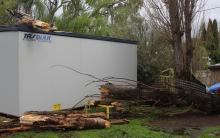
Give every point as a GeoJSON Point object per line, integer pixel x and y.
{"type": "Point", "coordinates": [29, 79]}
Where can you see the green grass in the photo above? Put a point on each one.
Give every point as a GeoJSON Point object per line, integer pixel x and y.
{"type": "Point", "coordinates": [137, 128]}
{"type": "Point", "coordinates": [211, 133]}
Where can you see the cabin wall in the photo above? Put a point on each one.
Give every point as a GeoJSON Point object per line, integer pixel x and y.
{"type": "Point", "coordinates": [42, 86]}
{"type": "Point", "coordinates": [9, 98]}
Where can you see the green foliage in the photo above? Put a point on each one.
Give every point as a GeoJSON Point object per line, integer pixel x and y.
{"type": "Point", "coordinates": [35, 8]}
{"type": "Point", "coordinates": [74, 8]}
{"type": "Point", "coordinates": [215, 33]}
{"type": "Point", "coordinates": [155, 55]}
{"type": "Point", "coordinates": [79, 24]}
{"type": "Point", "coordinates": [35, 135]}
{"type": "Point", "coordinates": [215, 54]}
{"type": "Point", "coordinates": [4, 16]}
{"type": "Point", "coordinates": [147, 73]}
{"type": "Point", "coordinates": [104, 18]}
{"type": "Point", "coordinates": [203, 32]}
{"type": "Point", "coordinates": [211, 133]}
{"type": "Point", "coordinates": [211, 40]}
{"type": "Point", "coordinates": [209, 37]}
{"type": "Point", "coordinates": [200, 55]}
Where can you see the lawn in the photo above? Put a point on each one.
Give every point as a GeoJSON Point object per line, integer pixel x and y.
{"type": "Point", "coordinates": [137, 128]}
{"type": "Point", "coordinates": [213, 132]}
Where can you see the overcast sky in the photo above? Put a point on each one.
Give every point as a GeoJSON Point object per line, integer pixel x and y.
{"type": "Point", "coordinates": [212, 13]}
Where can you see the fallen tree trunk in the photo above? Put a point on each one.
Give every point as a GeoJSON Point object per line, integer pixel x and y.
{"type": "Point", "coordinates": [15, 129]}
{"type": "Point", "coordinates": [209, 103]}
{"type": "Point", "coordinates": [69, 121]}
{"type": "Point", "coordinates": [110, 93]}
{"type": "Point", "coordinates": [60, 121]}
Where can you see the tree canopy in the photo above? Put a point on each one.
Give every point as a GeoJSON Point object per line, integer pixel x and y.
{"type": "Point", "coordinates": [210, 40]}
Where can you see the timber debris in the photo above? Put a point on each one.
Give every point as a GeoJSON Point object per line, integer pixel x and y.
{"type": "Point", "coordinates": [27, 20]}
{"type": "Point", "coordinates": [75, 120]}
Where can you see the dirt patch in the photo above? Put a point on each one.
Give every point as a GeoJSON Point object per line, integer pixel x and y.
{"type": "Point", "coordinates": [191, 124]}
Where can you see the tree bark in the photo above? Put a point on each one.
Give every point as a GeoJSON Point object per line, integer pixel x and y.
{"type": "Point", "coordinates": [66, 121]}
{"type": "Point", "coordinates": [175, 27]}
{"type": "Point", "coordinates": [59, 121]}
{"type": "Point", "coordinates": [177, 17]}
{"type": "Point", "coordinates": [188, 10]}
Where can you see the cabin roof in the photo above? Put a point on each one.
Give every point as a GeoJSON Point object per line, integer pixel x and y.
{"type": "Point", "coordinates": [24, 28]}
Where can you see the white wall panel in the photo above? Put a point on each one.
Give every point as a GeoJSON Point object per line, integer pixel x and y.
{"type": "Point", "coordinates": [9, 73]}
{"type": "Point", "coordinates": [26, 66]}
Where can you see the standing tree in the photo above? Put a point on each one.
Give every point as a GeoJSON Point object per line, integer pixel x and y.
{"type": "Point", "coordinates": [212, 41]}
{"type": "Point", "coordinates": [53, 6]}
{"type": "Point", "coordinates": [4, 16]}
{"type": "Point", "coordinates": [203, 33]}
{"type": "Point", "coordinates": [215, 33]}
{"type": "Point", "coordinates": [176, 18]}
{"type": "Point", "coordinates": [215, 54]}
{"type": "Point", "coordinates": [209, 37]}
{"type": "Point", "coordinates": [35, 8]}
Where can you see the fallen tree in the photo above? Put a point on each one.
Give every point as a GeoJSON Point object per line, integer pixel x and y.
{"type": "Point", "coordinates": [185, 94]}
{"type": "Point", "coordinates": [59, 121]}
{"type": "Point", "coordinates": [112, 93]}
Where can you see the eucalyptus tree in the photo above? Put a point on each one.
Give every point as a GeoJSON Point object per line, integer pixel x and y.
{"type": "Point", "coordinates": [35, 8]}
{"type": "Point", "coordinates": [74, 8]}
{"type": "Point", "coordinates": [116, 16]}
{"type": "Point", "coordinates": [4, 16]}
{"type": "Point", "coordinates": [74, 17]}
{"type": "Point", "coordinates": [52, 7]}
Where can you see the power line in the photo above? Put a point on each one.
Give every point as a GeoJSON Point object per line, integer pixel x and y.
{"type": "Point", "coordinates": [209, 9]}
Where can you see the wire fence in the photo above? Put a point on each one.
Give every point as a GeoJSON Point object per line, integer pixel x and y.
{"type": "Point", "coordinates": [177, 84]}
